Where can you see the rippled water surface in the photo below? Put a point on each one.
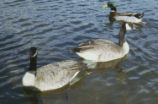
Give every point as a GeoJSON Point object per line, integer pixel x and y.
{"type": "Point", "coordinates": [55, 25]}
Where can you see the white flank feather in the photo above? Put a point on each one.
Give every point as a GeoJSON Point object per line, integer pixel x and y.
{"type": "Point", "coordinates": [130, 19]}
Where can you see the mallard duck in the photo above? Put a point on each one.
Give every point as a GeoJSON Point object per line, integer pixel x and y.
{"type": "Point", "coordinates": [100, 50]}
{"type": "Point", "coordinates": [52, 76]}
{"type": "Point", "coordinates": [123, 17]}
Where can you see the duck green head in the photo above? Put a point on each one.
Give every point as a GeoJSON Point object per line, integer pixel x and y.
{"type": "Point", "coordinates": [110, 5]}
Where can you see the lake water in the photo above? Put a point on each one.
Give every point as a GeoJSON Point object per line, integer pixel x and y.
{"type": "Point", "coordinates": [55, 25]}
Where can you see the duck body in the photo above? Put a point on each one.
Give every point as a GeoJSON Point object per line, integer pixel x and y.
{"type": "Point", "coordinates": [101, 50]}
{"type": "Point", "coordinates": [126, 17]}
{"type": "Point", "coordinates": [52, 76]}
{"type": "Point", "coordinates": [130, 18]}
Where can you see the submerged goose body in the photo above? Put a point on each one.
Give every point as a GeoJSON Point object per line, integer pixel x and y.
{"type": "Point", "coordinates": [103, 50]}
{"type": "Point", "coordinates": [52, 76]}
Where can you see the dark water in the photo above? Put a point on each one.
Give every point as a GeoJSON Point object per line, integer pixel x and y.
{"type": "Point", "coordinates": [55, 25]}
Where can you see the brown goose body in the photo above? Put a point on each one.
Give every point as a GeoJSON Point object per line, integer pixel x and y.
{"type": "Point", "coordinates": [101, 50]}
{"type": "Point", "coordinates": [52, 76]}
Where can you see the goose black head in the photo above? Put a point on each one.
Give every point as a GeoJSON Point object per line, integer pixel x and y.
{"type": "Point", "coordinates": [33, 58]}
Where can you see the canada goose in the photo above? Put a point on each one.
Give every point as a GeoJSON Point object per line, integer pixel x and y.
{"type": "Point", "coordinates": [103, 50]}
{"type": "Point", "coordinates": [130, 18]}
{"type": "Point", "coordinates": [52, 76]}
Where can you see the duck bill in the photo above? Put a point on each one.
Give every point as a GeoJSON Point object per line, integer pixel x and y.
{"type": "Point", "coordinates": [104, 6]}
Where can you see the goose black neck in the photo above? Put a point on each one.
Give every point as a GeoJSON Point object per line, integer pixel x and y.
{"type": "Point", "coordinates": [122, 34]}
{"type": "Point", "coordinates": [33, 59]}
